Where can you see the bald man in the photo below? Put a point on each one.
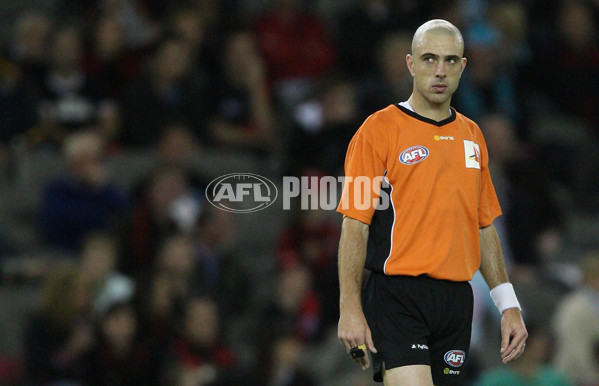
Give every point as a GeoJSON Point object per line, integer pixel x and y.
{"type": "Point", "coordinates": [427, 234]}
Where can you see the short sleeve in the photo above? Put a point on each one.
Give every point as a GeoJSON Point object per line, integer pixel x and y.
{"type": "Point", "coordinates": [364, 169]}
{"type": "Point", "coordinates": [488, 206]}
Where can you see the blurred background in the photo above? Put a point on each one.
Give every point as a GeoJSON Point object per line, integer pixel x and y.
{"type": "Point", "coordinates": [116, 114]}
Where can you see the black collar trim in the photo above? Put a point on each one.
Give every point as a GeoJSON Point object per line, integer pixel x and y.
{"type": "Point", "coordinates": [428, 120]}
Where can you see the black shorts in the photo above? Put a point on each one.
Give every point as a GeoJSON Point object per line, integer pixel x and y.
{"type": "Point", "coordinates": [419, 321]}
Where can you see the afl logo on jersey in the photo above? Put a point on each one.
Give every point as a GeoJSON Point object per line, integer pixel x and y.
{"type": "Point", "coordinates": [413, 155]}
{"type": "Point", "coordinates": [455, 358]}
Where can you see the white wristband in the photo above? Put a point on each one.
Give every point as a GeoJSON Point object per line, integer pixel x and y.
{"type": "Point", "coordinates": [504, 297]}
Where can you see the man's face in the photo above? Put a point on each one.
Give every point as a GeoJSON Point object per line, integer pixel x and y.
{"type": "Point", "coordinates": [436, 64]}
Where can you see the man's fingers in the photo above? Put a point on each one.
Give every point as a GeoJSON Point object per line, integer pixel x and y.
{"type": "Point", "coordinates": [509, 351]}
{"type": "Point", "coordinates": [366, 361]}
{"type": "Point", "coordinates": [516, 353]}
{"type": "Point", "coordinates": [363, 361]}
{"type": "Point", "coordinates": [505, 341]}
{"type": "Point", "coordinates": [369, 341]}
{"type": "Point", "coordinates": [348, 343]}
{"type": "Point", "coordinates": [515, 347]}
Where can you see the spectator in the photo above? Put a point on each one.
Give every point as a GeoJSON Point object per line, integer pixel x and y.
{"type": "Point", "coordinates": [98, 271]}
{"type": "Point", "coordinates": [190, 25]}
{"type": "Point", "coordinates": [323, 128]}
{"type": "Point", "coordinates": [17, 108]}
{"type": "Point", "coordinates": [361, 30]}
{"type": "Point", "coordinates": [176, 260]}
{"type": "Point", "coordinates": [575, 52]}
{"type": "Point", "coordinates": [576, 326]}
{"type": "Point", "coordinates": [22, 66]}
{"type": "Point", "coordinates": [389, 81]}
{"type": "Point", "coordinates": [532, 219]}
{"type": "Point", "coordinates": [119, 358]}
{"type": "Point", "coordinates": [487, 86]}
{"type": "Point", "coordinates": [70, 99]}
{"type": "Point", "coordinates": [532, 368]}
{"type": "Point", "coordinates": [511, 20]}
{"type": "Point", "coordinates": [167, 206]}
{"type": "Point", "coordinates": [83, 199]}
{"type": "Point", "coordinates": [169, 91]}
{"type": "Point", "coordinates": [243, 114]}
{"type": "Point", "coordinates": [296, 46]}
{"type": "Point", "coordinates": [180, 149]}
{"type": "Point", "coordinates": [140, 30]}
{"type": "Point", "coordinates": [28, 48]}
{"type": "Point", "coordinates": [295, 308]}
{"type": "Point", "coordinates": [109, 61]}
{"type": "Point", "coordinates": [203, 25]}
{"type": "Point", "coordinates": [199, 355]}
{"type": "Point", "coordinates": [219, 273]}
{"type": "Point", "coordinates": [285, 366]}
{"type": "Point", "coordinates": [177, 149]}
{"type": "Point", "coordinates": [310, 240]}
{"type": "Point", "coordinates": [60, 335]}
{"type": "Point", "coordinates": [159, 310]}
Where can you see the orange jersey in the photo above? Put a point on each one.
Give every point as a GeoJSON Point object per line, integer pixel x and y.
{"type": "Point", "coordinates": [440, 193]}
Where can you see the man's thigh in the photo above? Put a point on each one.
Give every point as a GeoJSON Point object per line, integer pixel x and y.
{"type": "Point", "coordinates": [398, 331]}
{"type": "Point", "coordinates": [414, 375]}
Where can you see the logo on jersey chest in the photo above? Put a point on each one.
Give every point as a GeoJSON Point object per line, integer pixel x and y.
{"type": "Point", "coordinates": [413, 155]}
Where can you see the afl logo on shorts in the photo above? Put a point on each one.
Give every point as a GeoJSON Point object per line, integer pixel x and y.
{"type": "Point", "coordinates": [455, 358]}
{"type": "Point", "coordinates": [413, 155]}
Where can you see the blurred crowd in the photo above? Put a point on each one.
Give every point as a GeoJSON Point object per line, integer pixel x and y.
{"type": "Point", "coordinates": [143, 282]}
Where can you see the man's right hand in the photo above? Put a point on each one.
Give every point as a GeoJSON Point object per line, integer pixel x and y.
{"type": "Point", "coordinates": [353, 331]}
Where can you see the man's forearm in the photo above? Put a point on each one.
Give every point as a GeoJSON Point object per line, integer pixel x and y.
{"type": "Point", "coordinates": [492, 265]}
{"type": "Point", "coordinates": [352, 253]}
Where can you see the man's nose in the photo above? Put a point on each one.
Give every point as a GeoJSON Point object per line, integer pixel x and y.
{"type": "Point", "coordinates": [440, 70]}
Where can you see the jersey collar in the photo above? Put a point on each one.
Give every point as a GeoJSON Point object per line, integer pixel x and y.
{"type": "Point", "coordinates": [413, 114]}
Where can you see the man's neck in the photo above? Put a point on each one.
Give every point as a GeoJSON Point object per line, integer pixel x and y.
{"type": "Point", "coordinates": [436, 112]}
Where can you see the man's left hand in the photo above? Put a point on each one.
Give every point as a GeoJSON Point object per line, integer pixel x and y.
{"type": "Point", "coordinates": [513, 335]}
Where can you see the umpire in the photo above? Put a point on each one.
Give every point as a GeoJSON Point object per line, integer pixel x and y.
{"type": "Point", "coordinates": [428, 231]}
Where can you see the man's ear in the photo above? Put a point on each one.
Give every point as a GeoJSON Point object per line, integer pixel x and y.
{"type": "Point", "coordinates": [410, 63]}
{"type": "Point", "coordinates": [464, 60]}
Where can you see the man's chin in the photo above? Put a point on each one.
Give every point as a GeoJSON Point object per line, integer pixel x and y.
{"type": "Point", "coordinates": [438, 98]}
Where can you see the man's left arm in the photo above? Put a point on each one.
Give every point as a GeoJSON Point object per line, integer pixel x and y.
{"type": "Point", "coordinates": [492, 267]}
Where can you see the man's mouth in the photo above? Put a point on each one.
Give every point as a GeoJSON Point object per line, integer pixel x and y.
{"type": "Point", "coordinates": [439, 87]}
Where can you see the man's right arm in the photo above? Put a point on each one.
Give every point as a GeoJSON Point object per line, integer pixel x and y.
{"type": "Point", "coordinates": [353, 328]}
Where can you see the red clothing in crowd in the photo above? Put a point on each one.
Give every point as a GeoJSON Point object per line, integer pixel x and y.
{"type": "Point", "coordinates": [294, 45]}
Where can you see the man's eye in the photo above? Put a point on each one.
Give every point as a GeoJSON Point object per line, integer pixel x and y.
{"type": "Point", "coordinates": [452, 61]}
{"type": "Point", "coordinates": [428, 60]}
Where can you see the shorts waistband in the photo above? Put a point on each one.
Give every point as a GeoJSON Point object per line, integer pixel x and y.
{"type": "Point", "coordinates": [424, 278]}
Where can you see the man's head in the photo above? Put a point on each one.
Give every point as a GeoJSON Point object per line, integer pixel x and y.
{"type": "Point", "coordinates": [436, 62]}
{"type": "Point", "coordinates": [84, 152]}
